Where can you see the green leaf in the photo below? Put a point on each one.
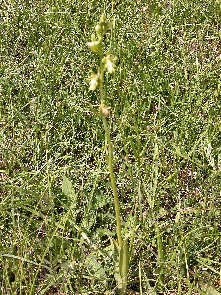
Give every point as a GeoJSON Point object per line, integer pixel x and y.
{"type": "Point", "coordinates": [95, 268]}
{"type": "Point", "coordinates": [67, 187]}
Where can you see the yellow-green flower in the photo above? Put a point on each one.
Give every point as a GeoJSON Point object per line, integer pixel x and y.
{"type": "Point", "coordinates": [94, 81]}
{"type": "Point", "coordinates": [109, 63]}
{"type": "Point", "coordinates": [98, 29]}
{"type": "Point", "coordinates": [94, 45]}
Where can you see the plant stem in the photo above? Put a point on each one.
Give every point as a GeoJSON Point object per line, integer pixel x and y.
{"type": "Point", "coordinates": [113, 181]}
{"type": "Point", "coordinates": [110, 158]}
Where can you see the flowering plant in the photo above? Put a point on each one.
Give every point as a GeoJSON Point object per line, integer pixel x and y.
{"type": "Point", "coordinates": [107, 63]}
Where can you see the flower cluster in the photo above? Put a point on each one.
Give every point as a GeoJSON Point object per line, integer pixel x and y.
{"type": "Point", "coordinates": [107, 62]}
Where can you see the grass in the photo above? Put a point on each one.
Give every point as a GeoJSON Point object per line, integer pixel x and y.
{"type": "Point", "coordinates": [165, 124]}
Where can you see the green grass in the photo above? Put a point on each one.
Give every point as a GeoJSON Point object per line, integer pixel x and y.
{"type": "Point", "coordinates": [165, 122]}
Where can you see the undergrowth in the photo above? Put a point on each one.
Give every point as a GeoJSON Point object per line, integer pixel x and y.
{"type": "Point", "coordinates": [165, 125]}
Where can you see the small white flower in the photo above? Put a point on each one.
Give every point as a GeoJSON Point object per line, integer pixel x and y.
{"type": "Point", "coordinates": [109, 63]}
{"type": "Point", "coordinates": [94, 81]}
{"type": "Point", "coordinates": [109, 66]}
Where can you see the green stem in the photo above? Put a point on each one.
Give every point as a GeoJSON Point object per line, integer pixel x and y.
{"type": "Point", "coordinates": [113, 181]}
{"type": "Point", "coordinates": [110, 158]}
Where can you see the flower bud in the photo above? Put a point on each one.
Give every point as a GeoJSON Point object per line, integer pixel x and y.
{"type": "Point", "coordinates": [105, 111]}
{"type": "Point", "coordinates": [98, 29]}
{"type": "Point", "coordinates": [105, 25]}
{"type": "Point", "coordinates": [103, 19]}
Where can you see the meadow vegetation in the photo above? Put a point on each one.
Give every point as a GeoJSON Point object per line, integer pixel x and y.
{"type": "Point", "coordinates": [57, 219]}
